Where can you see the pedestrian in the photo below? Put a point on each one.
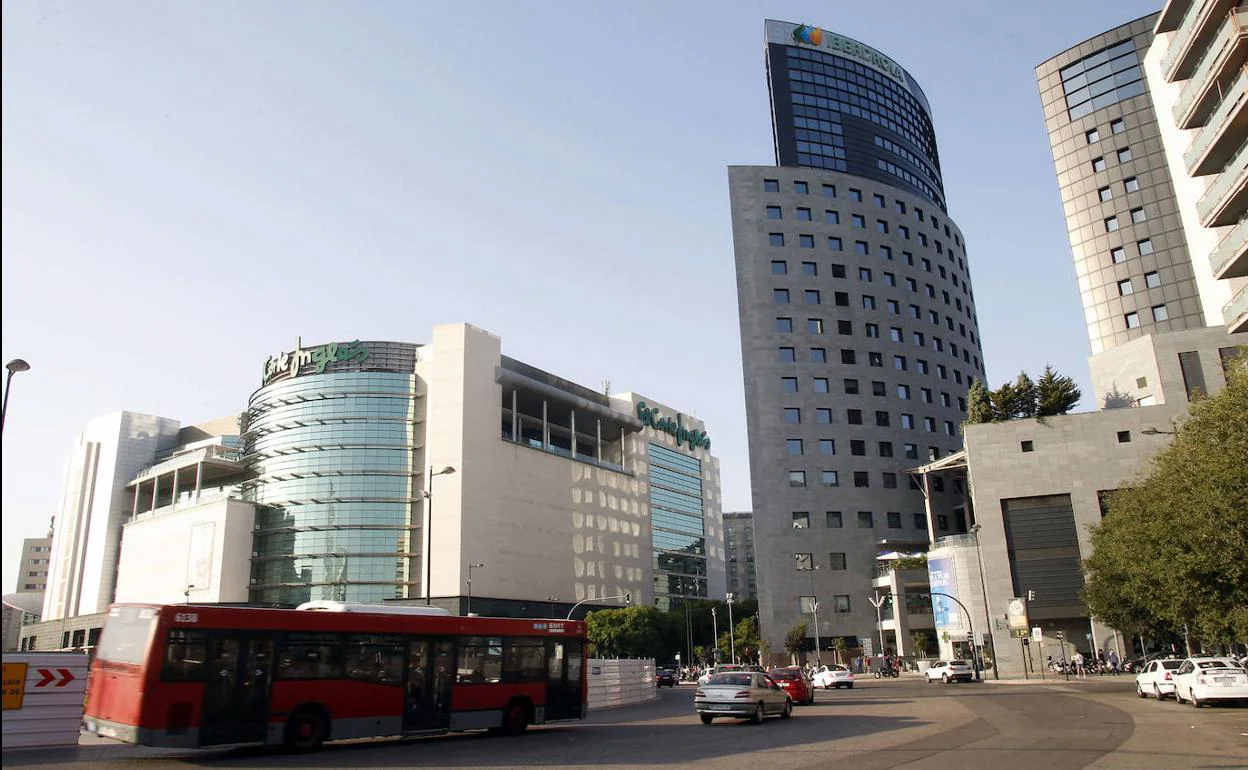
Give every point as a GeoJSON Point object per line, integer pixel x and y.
{"type": "Point", "coordinates": [1078, 661]}
{"type": "Point", "coordinates": [1113, 661]}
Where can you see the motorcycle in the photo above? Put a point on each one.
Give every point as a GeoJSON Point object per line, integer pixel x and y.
{"type": "Point", "coordinates": [884, 673]}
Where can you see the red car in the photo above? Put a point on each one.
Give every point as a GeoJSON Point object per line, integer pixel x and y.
{"type": "Point", "coordinates": [793, 681]}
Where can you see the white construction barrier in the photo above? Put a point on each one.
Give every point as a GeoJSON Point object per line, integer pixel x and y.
{"type": "Point", "coordinates": [620, 682]}
{"type": "Point", "coordinates": [43, 698]}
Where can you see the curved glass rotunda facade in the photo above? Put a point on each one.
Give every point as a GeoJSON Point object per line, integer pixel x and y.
{"type": "Point", "coordinates": [330, 452]}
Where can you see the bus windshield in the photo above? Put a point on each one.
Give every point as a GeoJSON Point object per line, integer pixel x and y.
{"type": "Point", "coordinates": [127, 634]}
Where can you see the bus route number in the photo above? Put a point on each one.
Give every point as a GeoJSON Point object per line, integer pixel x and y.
{"type": "Point", "coordinates": [186, 617]}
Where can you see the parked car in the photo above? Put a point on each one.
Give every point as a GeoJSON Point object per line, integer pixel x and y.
{"type": "Point", "coordinates": [742, 695]}
{"type": "Point", "coordinates": [1157, 678]}
{"type": "Point", "coordinates": [1138, 664]}
{"type": "Point", "coordinates": [794, 681]}
{"type": "Point", "coordinates": [720, 669]}
{"type": "Point", "coordinates": [664, 678]}
{"type": "Point", "coordinates": [1201, 680]}
{"type": "Point", "coordinates": [834, 676]}
{"type": "Point", "coordinates": [949, 671]}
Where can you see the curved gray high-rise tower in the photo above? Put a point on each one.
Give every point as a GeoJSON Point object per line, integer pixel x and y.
{"type": "Point", "coordinates": [859, 336]}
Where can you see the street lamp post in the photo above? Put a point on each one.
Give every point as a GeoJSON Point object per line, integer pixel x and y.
{"type": "Point", "coordinates": [471, 567]}
{"type": "Point", "coordinates": [983, 586]}
{"type": "Point", "coordinates": [552, 600]}
{"type": "Point", "coordinates": [877, 601]}
{"type": "Point", "coordinates": [684, 595]}
{"type": "Point", "coordinates": [626, 598]}
{"type": "Point", "coordinates": [14, 366]}
{"type": "Point", "coordinates": [714, 635]}
{"type": "Point", "coordinates": [814, 608]}
{"type": "Point", "coordinates": [429, 531]}
{"type": "Point", "coordinates": [732, 631]}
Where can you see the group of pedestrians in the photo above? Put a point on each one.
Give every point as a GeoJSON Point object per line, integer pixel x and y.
{"type": "Point", "coordinates": [1083, 665]}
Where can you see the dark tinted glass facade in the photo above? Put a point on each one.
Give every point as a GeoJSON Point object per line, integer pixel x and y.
{"type": "Point", "coordinates": [677, 526]}
{"type": "Point", "coordinates": [843, 106]}
{"type": "Point", "coordinates": [331, 461]}
{"type": "Point", "coordinates": [1104, 78]}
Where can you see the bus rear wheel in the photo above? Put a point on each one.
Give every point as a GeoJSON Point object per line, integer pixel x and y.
{"type": "Point", "coordinates": [305, 731]}
{"type": "Point", "coordinates": [515, 719]}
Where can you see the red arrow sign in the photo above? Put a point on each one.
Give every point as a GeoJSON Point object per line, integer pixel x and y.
{"type": "Point", "coordinates": [62, 677]}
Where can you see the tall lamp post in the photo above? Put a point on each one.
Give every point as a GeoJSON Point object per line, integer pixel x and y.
{"type": "Point", "coordinates": [983, 586]}
{"type": "Point", "coordinates": [14, 366]}
{"type": "Point", "coordinates": [814, 606]}
{"type": "Point", "coordinates": [429, 530]}
{"type": "Point", "coordinates": [684, 595]}
{"type": "Point", "coordinates": [471, 567]}
{"type": "Point", "coordinates": [714, 635]}
{"type": "Point", "coordinates": [552, 600]}
{"type": "Point", "coordinates": [732, 632]}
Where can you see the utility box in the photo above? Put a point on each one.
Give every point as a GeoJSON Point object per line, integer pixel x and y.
{"type": "Point", "coordinates": [43, 698]}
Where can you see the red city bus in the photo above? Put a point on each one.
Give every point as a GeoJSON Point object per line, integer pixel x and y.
{"type": "Point", "coordinates": [200, 675]}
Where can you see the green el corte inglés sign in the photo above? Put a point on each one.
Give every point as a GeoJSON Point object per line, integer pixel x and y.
{"type": "Point", "coordinates": [653, 418]}
{"type": "Point", "coordinates": [289, 364]}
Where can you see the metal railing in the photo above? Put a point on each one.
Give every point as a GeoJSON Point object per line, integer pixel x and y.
{"type": "Point", "coordinates": [1197, 16]}
{"type": "Point", "coordinates": [1197, 85]}
{"type": "Point", "coordinates": [1236, 309]}
{"type": "Point", "coordinates": [1216, 125]}
{"type": "Point", "coordinates": [1229, 182]}
{"type": "Point", "coordinates": [1230, 247]}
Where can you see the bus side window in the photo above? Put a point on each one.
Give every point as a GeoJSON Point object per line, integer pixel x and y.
{"type": "Point", "coordinates": [310, 656]}
{"type": "Point", "coordinates": [376, 658]}
{"type": "Point", "coordinates": [480, 660]}
{"type": "Point", "coordinates": [524, 660]}
{"type": "Point", "coordinates": [185, 652]}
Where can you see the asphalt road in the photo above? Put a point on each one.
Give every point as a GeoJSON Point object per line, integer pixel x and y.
{"type": "Point", "coordinates": [880, 724]}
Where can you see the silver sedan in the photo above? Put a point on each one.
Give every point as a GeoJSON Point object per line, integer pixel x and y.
{"type": "Point", "coordinates": [741, 695]}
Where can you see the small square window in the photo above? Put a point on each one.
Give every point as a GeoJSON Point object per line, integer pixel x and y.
{"type": "Point", "coordinates": [779, 267]}
{"type": "Point", "coordinates": [773, 212]}
{"type": "Point", "coordinates": [829, 191]}
{"type": "Point", "coordinates": [827, 446]}
{"type": "Point", "coordinates": [821, 385]}
{"type": "Point", "coordinates": [1105, 193]}
{"type": "Point", "coordinates": [904, 232]}
{"type": "Point", "coordinates": [834, 243]}
{"type": "Point", "coordinates": [1132, 320]}
{"type": "Point", "coordinates": [784, 324]}
{"type": "Point", "coordinates": [1111, 224]}
{"type": "Point", "coordinates": [866, 520]}
{"type": "Point", "coordinates": [851, 387]}
{"type": "Point", "coordinates": [1145, 246]}
{"type": "Point", "coordinates": [829, 478]}
{"type": "Point", "coordinates": [853, 416]}
{"type": "Point", "coordinates": [848, 357]}
{"type": "Point", "coordinates": [1124, 437]}
{"type": "Point", "coordinates": [1117, 126]}
{"type": "Point", "coordinates": [792, 415]}
{"type": "Point", "coordinates": [881, 227]}
{"type": "Point", "coordinates": [1028, 446]}
{"type": "Point", "coordinates": [862, 479]}
{"type": "Point", "coordinates": [1098, 164]}
{"type": "Point", "coordinates": [907, 421]}
{"type": "Point", "coordinates": [900, 206]}
{"type": "Point", "coordinates": [831, 217]}
{"type": "Point", "coordinates": [786, 356]}
{"type": "Point", "coordinates": [810, 297]}
{"type": "Point", "coordinates": [775, 239]}
{"type": "Point", "coordinates": [823, 416]}
{"type": "Point", "coordinates": [814, 325]}
{"type": "Point", "coordinates": [894, 518]}
{"type": "Point", "coordinates": [881, 419]}
{"type": "Point", "coordinates": [803, 215]}
{"type": "Point", "coordinates": [886, 450]}
{"type": "Point", "coordinates": [855, 195]}
{"type": "Point", "coordinates": [912, 451]}
{"type": "Point", "coordinates": [793, 446]}
{"type": "Point", "coordinates": [771, 185]}
{"type": "Point", "coordinates": [903, 392]}
{"type": "Point", "coordinates": [1152, 280]}
{"type": "Point", "coordinates": [833, 520]}
{"type": "Point", "coordinates": [810, 269]}
{"type": "Point", "coordinates": [857, 447]}
{"type": "Point", "coordinates": [1160, 313]}
{"type": "Point", "coordinates": [836, 561]}
{"type": "Point", "coordinates": [879, 389]}
{"type": "Point", "coordinates": [801, 188]}
{"type": "Point", "coordinates": [818, 356]}
{"type": "Point", "coordinates": [858, 220]}
{"type": "Point", "coordinates": [780, 296]}
{"type": "Point", "coordinates": [845, 328]}
{"type": "Point", "coordinates": [1124, 287]}
{"type": "Point", "coordinates": [1138, 215]}
{"type": "Point", "coordinates": [879, 201]}
{"type": "Point", "coordinates": [872, 330]}
{"type": "Point", "coordinates": [1131, 184]}
{"type": "Point", "coordinates": [797, 478]}
{"type": "Point", "coordinates": [1092, 136]}
{"type": "Point", "coordinates": [886, 251]}
{"type": "Point", "coordinates": [890, 279]}
{"type": "Point", "coordinates": [806, 241]}
{"type": "Point", "coordinates": [1118, 255]}
{"type": "Point", "coordinates": [1124, 155]}
{"type": "Point", "coordinates": [801, 520]}
{"type": "Point", "coordinates": [868, 302]}
{"type": "Point", "coordinates": [864, 274]}
{"type": "Point", "coordinates": [838, 271]}
{"type": "Point", "coordinates": [875, 359]}
{"type": "Point", "coordinates": [788, 384]}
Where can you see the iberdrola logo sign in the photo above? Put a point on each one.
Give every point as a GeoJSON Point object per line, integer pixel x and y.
{"type": "Point", "coordinates": [653, 418]}
{"type": "Point", "coordinates": [808, 35]}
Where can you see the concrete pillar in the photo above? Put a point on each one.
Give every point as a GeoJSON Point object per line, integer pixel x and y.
{"type": "Point", "coordinates": [199, 479]}
{"type": "Point", "coordinates": [155, 488]}
{"type": "Point", "coordinates": [173, 499]}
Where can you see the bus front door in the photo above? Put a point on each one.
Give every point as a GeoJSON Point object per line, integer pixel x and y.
{"type": "Point", "coordinates": [565, 677]}
{"type": "Point", "coordinates": [236, 691]}
{"type": "Point", "coordinates": [430, 676]}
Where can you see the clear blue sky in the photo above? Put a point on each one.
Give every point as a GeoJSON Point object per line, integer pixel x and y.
{"type": "Point", "coordinates": [188, 186]}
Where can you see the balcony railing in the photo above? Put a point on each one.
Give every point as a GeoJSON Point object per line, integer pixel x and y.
{"type": "Point", "coordinates": [1227, 260]}
{"type": "Point", "coordinates": [1235, 313]}
{"type": "Point", "coordinates": [1191, 36]}
{"type": "Point", "coordinates": [1223, 133]}
{"type": "Point", "coordinates": [1222, 202]}
{"type": "Point", "coordinates": [1198, 96]}
{"type": "Point", "coordinates": [1172, 15]}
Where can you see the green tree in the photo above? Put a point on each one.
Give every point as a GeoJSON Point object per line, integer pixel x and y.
{"type": "Point", "coordinates": [1025, 395]}
{"type": "Point", "coordinates": [840, 647]}
{"type": "Point", "coordinates": [979, 404]}
{"type": "Point", "coordinates": [795, 640]}
{"type": "Point", "coordinates": [1055, 394]}
{"type": "Point", "coordinates": [628, 632]}
{"type": "Point", "coordinates": [919, 640]}
{"type": "Point", "coordinates": [1170, 552]}
{"type": "Point", "coordinates": [1002, 400]}
{"type": "Point", "coordinates": [749, 641]}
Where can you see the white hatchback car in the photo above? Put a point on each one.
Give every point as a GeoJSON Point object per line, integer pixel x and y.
{"type": "Point", "coordinates": [949, 671]}
{"type": "Point", "coordinates": [1200, 680]}
{"type": "Point", "coordinates": [834, 676]}
{"type": "Point", "coordinates": [1157, 678]}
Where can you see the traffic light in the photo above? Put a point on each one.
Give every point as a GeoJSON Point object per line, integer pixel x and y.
{"type": "Point", "coordinates": [1031, 595]}
{"type": "Point", "coordinates": [970, 636]}
{"type": "Point", "coordinates": [1061, 636]}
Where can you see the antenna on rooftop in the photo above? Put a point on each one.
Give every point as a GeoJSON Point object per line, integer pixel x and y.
{"type": "Point", "coordinates": [606, 387]}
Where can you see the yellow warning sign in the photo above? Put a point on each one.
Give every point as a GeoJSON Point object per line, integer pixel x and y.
{"type": "Point", "coordinates": [14, 685]}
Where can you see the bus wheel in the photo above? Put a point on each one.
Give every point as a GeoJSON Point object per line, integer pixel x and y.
{"type": "Point", "coordinates": [515, 718]}
{"type": "Point", "coordinates": [305, 731]}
